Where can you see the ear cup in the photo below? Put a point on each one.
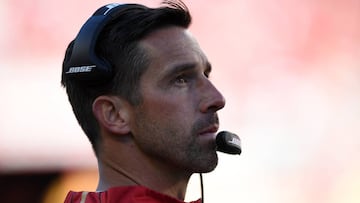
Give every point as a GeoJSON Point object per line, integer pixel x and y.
{"type": "Point", "coordinates": [83, 63]}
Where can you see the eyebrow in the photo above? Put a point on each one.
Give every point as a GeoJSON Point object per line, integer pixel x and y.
{"type": "Point", "coordinates": [184, 67]}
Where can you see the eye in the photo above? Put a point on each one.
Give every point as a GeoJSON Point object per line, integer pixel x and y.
{"type": "Point", "coordinates": [181, 79]}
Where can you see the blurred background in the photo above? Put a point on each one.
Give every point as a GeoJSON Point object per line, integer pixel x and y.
{"type": "Point", "coordinates": [289, 69]}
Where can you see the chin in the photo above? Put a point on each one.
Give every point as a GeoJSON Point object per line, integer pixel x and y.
{"type": "Point", "coordinates": [206, 170]}
{"type": "Point", "coordinates": [206, 166]}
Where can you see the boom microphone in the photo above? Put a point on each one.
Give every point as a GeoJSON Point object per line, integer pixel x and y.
{"type": "Point", "coordinates": [228, 142]}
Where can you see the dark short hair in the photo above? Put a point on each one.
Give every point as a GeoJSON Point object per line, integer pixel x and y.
{"type": "Point", "coordinates": [118, 44]}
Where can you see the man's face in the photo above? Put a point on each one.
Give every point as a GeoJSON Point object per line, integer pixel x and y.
{"type": "Point", "coordinates": [177, 121]}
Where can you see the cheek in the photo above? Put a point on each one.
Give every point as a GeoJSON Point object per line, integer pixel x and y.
{"type": "Point", "coordinates": [164, 107]}
{"type": "Point", "coordinates": [169, 116]}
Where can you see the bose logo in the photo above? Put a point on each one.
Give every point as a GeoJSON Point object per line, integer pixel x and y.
{"type": "Point", "coordinates": [235, 141]}
{"type": "Point", "coordinates": [80, 69]}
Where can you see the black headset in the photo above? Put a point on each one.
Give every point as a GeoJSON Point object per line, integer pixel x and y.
{"type": "Point", "coordinates": [83, 63]}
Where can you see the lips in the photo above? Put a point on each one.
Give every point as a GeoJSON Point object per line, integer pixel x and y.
{"type": "Point", "coordinates": [212, 129]}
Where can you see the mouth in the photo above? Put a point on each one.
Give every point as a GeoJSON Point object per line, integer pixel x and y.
{"type": "Point", "coordinates": [210, 130]}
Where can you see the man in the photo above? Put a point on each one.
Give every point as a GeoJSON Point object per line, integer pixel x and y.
{"type": "Point", "coordinates": [139, 87]}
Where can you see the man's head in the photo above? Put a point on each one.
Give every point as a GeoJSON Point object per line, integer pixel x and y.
{"type": "Point", "coordinates": [118, 45]}
{"type": "Point", "coordinates": [160, 99]}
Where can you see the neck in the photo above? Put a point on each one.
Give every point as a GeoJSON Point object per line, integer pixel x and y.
{"type": "Point", "coordinates": [120, 170]}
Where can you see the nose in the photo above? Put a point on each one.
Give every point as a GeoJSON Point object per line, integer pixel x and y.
{"type": "Point", "coordinates": [212, 100]}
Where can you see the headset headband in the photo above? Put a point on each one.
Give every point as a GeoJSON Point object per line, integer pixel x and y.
{"type": "Point", "coordinates": [83, 63]}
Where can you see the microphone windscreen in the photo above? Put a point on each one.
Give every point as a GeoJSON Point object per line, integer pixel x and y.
{"type": "Point", "coordinates": [228, 143]}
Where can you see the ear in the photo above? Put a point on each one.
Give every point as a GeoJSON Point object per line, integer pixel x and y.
{"type": "Point", "coordinates": [112, 113]}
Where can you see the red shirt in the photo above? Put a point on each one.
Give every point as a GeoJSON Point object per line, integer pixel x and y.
{"type": "Point", "coordinates": [128, 194]}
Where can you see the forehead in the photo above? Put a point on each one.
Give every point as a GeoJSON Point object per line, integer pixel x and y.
{"type": "Point", "coordinates": [171, 46]}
